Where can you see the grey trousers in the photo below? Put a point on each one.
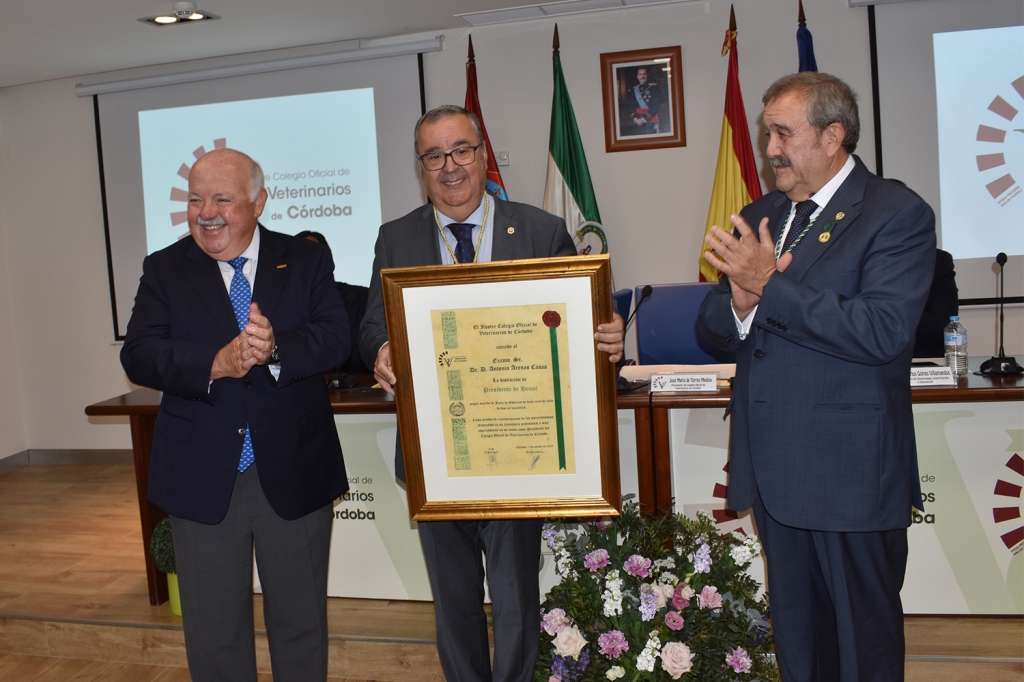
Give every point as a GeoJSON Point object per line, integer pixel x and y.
{"type": "Point", "coordinates": [214, 564]}
{"type": "Point", "coordinates": [512, 550]}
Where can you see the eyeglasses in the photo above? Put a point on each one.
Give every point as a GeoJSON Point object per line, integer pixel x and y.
{"type": "Point", "coordinates": [462, 156]}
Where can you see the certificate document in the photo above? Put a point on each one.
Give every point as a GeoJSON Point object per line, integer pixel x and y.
{"type": "Point", "coordinates": [506, 396]}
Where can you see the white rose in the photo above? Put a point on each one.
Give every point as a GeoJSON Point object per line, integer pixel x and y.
{"type": "Point", "coordinates": [569, 642]}
{"type": "Point", "coordinates": [615, 672]}
{"type": "Point", "coordinates": [676, 659]}
{"type": "Point", "coordinates": [687, 592]}
{"type": "Point", "coordinates": [663, 594]}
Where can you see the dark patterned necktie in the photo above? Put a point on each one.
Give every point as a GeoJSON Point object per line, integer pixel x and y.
{"type": "Point", "coordinates": [804, 209]}
{"type": "Point", "coordinates": [464, 251]}
{"type": "Point", "coordinates": [241, 298]}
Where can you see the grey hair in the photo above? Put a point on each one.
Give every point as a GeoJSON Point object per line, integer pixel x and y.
{"type": "Point", "coordinates": [829, 100]}
{"type": "Point", "coordinates": [441, 113]}
{"type": "Point", "coordinates": [256, 180]}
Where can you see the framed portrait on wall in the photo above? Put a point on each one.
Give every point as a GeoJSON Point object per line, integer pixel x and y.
{"type": "Point", "coordinates": [506, 409]}
{"type": "Point", "coordinates": [643, 99]}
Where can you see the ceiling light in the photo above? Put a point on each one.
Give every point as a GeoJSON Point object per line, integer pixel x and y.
{"type": "Point", "coordinates": [181, 12]}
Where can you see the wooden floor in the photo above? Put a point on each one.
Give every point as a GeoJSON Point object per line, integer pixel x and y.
{"type": "Point", "coordinates": [74, 605]}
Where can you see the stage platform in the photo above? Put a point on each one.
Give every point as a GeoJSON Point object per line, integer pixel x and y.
{"type": "Point", "coordinates": [74, 605]}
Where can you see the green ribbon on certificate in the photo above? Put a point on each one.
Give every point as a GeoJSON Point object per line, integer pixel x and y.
{"type": "Point", "coordinates": [552, 320]}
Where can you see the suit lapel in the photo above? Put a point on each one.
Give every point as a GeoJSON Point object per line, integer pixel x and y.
{"type": "Point", "coordinates": [205, 276]}
{"type": "Point", "coordinates": [427, 240]}
{"type": "Point", "coordinates": [271, 271]}
{"type": "Point", "coordinates": [503, 235]}
{"type": "Point", "coordinates": [845, 202]}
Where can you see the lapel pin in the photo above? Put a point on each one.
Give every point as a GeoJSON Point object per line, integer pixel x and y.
{"type": "Point", "coordinates": [511, 230]}
{"type": "Point", "coordinates": [282, 265]}
{"type": "Point", "coordinates": [826, 231]}
{"type": "Point", "coordinates": [840, 215]}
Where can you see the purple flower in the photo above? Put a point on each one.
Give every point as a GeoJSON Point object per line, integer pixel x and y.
{"type": "Point", "coordinates": [739, 660]}
{"type": "Point", "coordinates": [702, 559]}
{"type": "Point", "coordinates": [549, 534]}
{"type": "Point", "coordinates": [638, 566]}
{"type": "Point", "coordinates": [648, 603]}
{"type": "Point", "coordinates": [673, 620]}
{"type": "Point", "coordinates": [596, 559]}
{"type": "Point", "coordinates": [567, 668]}
{"type": "Point", "coordinates": [613, 644]}
{"type": "Point", "coordinates": [554, 620]}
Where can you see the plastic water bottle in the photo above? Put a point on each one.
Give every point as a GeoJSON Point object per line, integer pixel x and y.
{"type": "Point", "coordinates": [954, 337]}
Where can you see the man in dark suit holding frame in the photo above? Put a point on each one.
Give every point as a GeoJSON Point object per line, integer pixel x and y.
{"type": "Point", "coordinates": [235, 324]}
{"type": "Point", "coordinates": [824, 282]}
{"type": "Point", "coordinates": [463, 225]}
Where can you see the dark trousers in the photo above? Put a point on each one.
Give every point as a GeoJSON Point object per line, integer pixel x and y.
{"type": "Point", "coordinates": [452, 552]}
{"type": "Point", "coordinates": [214, 564]}
{"type": "Point", "coordinates": [835, 601]}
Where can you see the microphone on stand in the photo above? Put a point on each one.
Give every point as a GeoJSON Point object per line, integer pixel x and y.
{"type": "Point", "coordinates": [645, 293]}
{"type": "Point", "coordinates": [1000, 364]}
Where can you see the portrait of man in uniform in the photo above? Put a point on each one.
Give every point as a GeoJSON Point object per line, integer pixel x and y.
{"type": "Point", "coordinates": [644, 107]}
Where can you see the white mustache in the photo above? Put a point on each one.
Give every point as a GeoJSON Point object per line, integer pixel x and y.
{"type": "Point", "coordinates": [216, 222]}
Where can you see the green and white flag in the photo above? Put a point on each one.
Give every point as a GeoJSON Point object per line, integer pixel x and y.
{"type": "Point", "coordinates": [568, 192]}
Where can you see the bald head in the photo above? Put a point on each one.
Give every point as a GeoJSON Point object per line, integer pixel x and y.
{"type": "Point", "coordinates": [225, 199]}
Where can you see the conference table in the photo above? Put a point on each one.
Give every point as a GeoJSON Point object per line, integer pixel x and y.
{"type": "Point", "coordinates": [651, 417]}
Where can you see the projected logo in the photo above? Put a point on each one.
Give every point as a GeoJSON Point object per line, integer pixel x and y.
{"type": "Point", "coordinates": [1013, 532]}
{"type": "Point", "coordinates": [993, 166]}
{"type": "Point", "coordinates": [178, 194]}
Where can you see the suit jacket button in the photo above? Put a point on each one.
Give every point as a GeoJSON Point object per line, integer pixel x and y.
{"type": "Point", "coordinates": [758, 353]}
{"type": "Point", "coordinates": [241, 432]}
{"type": "Point", "coordinates": [769, 320]}
{"type": "Point", "coordinates": [247, 383]}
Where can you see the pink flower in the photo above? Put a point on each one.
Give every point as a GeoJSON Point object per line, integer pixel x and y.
{"type": "Point", "coordinates": [554, 678]}
{"type": "Point", "coordinates": [709, 598]}
{"type": "Point", "coordinates": [569, 642]}
{"type": "Point", "coordinates": [676, 659]}
{"type": "Point", "coordinates": [673, 620]}
{"type": "Point", "coordinates": [682, 595]}
{"type": "Point", "coordinates": [739, 660]}
{"type": "Point", "coordinates": [554, 621]}
{"type": "Point", "coordinates": [613, 644]}
{"type": "Point", "coordinates": [596, 559]}
{"type": "Point", "coordinates": [637, 565]}
{"type": "Point", "coordinates": [662, 595]}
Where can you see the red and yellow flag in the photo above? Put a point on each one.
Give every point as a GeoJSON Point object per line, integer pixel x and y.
{"type": "Point", "coordinates": [736, 181]}
{"type": "Point", "coordinates": [495, 186]}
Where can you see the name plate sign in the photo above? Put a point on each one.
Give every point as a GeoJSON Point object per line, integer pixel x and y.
{"type": "Point", "coordinates": [684, 383]}
{"type": "Point", "coordinates": [932, 376]}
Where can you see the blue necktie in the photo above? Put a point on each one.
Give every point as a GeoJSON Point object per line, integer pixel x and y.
{"type": "Point", "coordinates": [804, 209]}
{"type": "Point", "coordinates": [464, 251]}
{"type": "Point", "coordinates": [241, 298]}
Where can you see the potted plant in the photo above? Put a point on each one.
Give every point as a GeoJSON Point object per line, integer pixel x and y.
{"type": "Point", "coordinates": [161, 546]}
{"type": "Point", "coordinates": [653, 598]}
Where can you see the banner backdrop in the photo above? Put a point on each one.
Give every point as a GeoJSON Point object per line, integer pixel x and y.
{"type": "Point", "coordinates": [375, 549]}
{"type": "Point", "coordinates": [966, 549]}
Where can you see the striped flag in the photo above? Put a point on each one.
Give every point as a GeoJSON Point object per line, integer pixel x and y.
{"type": "Point", "coordinates": [568, 192]}
{"type": "Point", "coordinates": [736, 181]}
{"type": "Point", "coordinates": [805, 43]}
{"type": "Point", "coordinates": [495, 186]}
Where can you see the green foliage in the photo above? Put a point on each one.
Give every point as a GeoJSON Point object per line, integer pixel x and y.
{"type": "Point", "coordinates": [161, 546]}
{"type": "Point", "coordinates": [682, 557]}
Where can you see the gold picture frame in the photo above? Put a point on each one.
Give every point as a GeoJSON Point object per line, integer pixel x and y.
{"type": "Point", "coordinates": [643, 111]}
{"type": "Point", "coordinates": [542, 439]}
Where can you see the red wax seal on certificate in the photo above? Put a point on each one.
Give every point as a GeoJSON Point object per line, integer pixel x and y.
{"type": "Point", "coordinates": [552, 319]}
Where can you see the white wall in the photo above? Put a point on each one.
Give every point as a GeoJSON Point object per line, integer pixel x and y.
{"type": "Point", "coordinates": [56, 270]}
{"type": "Point", "coordinates": [658, 198]}
{"type": "Point", "coordinates": [54, 297]}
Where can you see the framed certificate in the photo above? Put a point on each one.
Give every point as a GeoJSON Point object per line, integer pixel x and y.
{"type": "Point", "coordinates": [505, 406]}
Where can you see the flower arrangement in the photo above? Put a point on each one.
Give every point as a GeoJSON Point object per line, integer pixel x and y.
{"type": "Point", "coordinates": [653, 598]}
